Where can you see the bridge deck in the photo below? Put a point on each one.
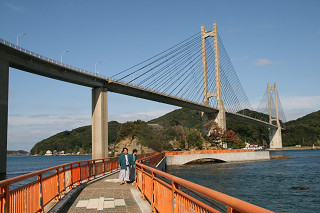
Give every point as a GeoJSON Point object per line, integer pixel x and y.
{"type": "Point", "coordinates": [114, 197]}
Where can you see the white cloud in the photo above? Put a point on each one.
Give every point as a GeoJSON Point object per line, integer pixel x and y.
{"type": "Point", "coordinates": [240, 58]}
{"type": "Point", "coordinates": [26, 130]}
{"type": "Point", "coordinates": [40, 120]}
{"type": "Point", "coordinates": [264, 62]}
{"type": "Point", "coordinates": [307, 61]}
{"type": "Point", "coordinates": [301, 102]}
{"type": "Point", "coordinates": [296, 106]}
{"type": "Point", "coordinates": [15, 7]}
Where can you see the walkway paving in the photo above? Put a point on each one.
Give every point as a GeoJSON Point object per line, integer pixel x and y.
{"type": "Point", "coordinates": [107, 195]}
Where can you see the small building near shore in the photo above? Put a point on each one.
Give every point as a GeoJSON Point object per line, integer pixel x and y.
{"type": "Point", "coordinates": [48, 153]}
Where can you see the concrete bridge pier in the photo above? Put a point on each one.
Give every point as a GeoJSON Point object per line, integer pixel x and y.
{"type": "Point", "coordinates": [4, 94]}
{"type": "Point", "coordinates": [99, 123]}
{"type": "Point", "coordinates": [275, 138]}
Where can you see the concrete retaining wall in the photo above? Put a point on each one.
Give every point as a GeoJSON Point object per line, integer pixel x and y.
{"type": "Point", "coordinates": [162, 165]}
{"type": "Point", "coordinates": [228, 157]}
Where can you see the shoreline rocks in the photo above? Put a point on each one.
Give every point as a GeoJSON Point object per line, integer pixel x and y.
{"type": "Point", "coordinates": [281, 157]}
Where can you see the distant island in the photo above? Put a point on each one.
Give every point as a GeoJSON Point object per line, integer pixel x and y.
{"type": "Point", "coordinates": [19, 152]}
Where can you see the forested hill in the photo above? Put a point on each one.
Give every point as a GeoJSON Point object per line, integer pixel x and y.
{"type": "Point", "coordinates": [304, 131]}
{"type": "Point", "coordinates": [177, 125]}
{"type": "Point", "coordinates": [185, 117]}
{"type": "Point", "coordinates": [192, 119]}
{"type": "Point", "coordinates": [78, 139]}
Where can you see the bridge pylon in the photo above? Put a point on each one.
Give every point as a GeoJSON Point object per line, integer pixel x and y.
{"type": "Point", "coordinates": [275, 136]}
{"type": "Point", "coordinates": [220, 116]}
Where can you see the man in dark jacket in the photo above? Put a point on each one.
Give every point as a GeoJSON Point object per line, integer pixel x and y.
{"type": "Point", "coordinates": [133, 157]}
{"type": "Point", "coordinates": [125, 162]}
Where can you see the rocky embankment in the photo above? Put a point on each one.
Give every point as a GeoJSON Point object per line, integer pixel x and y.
{"type": "Point", "coordinates": [281, 157]}
{"type": "Point", "coordinates": [131, 144]}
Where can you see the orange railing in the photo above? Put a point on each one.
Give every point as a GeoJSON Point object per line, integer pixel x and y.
{"type": "Point", "coordinates": [167, 193]}
{"type": "Point", "coordinates": [164, 191]}
{"type": "Point", "coordinates": [48, 184]}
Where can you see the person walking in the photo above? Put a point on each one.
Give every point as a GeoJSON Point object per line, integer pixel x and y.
{"type": "Point", "coordinates": [134, 157]}
{"type": "Point", "coordinates": [125, 163]}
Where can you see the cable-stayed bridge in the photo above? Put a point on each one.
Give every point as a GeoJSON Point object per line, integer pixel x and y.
{"type": "Point", "coordinates": [197, 74]}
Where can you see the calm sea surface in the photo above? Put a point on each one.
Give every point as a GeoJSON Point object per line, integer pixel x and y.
{"type": "Point", "coordinates": [263, 183]}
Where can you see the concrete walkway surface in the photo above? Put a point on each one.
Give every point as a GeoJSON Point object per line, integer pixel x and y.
{"type": "Point", "coordinates": [107, 195]}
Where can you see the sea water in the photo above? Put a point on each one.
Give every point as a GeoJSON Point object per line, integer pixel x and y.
{"type": "Point", "coordinates": [264, 183]}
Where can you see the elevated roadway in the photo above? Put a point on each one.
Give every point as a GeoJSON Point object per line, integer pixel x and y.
{"type": "Point", "coordinates": [28, 61]}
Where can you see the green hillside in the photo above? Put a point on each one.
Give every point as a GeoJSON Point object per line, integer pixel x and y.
{"type": "Point", "coordinates": [192, 119]}
{"type": "Point", "coordinates": [19, 152]}
{"type": "Point", "coordinates": [185, 117]}
{"type": "Point", "coordinates": [180, 125]}
{"type": "Point", "coordinates": [304, 131]}
{"type": "Point", "coordinates": [73, 141]}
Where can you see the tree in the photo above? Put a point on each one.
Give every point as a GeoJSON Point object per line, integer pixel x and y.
{"type": "Point", "coordinates": [194, 139]}
{"type": "Point", "coordinates": [217, 136]}
{"type": "Point", "coordinates": [232, 139]}
{"type": "Point", "coordinates": [214, 133]}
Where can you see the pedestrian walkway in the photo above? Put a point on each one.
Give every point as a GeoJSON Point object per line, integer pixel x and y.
{"type": "Point", "coordinates": [107, 195]}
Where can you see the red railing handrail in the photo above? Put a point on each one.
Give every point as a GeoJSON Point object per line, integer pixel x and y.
{"type": "Point", "coordinates": [66, 175]}
{"type": "Point", "coordinates": [36, 173]}
{"type": "Point", "coordinates": [40, 172]}
{"type": "Point", "coordinates": [224, 199]}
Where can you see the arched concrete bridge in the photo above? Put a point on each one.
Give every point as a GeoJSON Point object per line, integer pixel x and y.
{"type": "Point", "coordinates": [183, 157]}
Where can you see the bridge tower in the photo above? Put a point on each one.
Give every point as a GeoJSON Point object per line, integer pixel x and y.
{"type": "Point", "coordinates": [275, 137]}
{"type": "Point", "coordinates": [219, 117]}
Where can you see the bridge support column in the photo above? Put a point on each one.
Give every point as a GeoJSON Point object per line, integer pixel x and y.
{"type": "Point", "coordinates": [99, 123]}
{"type": "Point", "coordinates": [275, 136]}
{"type": "Point", "coordinates": [4, 94]}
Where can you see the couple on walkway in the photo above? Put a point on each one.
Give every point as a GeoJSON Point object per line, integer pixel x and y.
{"type": "Point", "coordinates": [128, 167]}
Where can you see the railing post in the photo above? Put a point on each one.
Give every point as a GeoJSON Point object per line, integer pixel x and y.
{"type": "Point", "coordinates": [152, 198]}
{"type": "Point", "coordinates": [174, 199]}
{"type": "Point", "coordinates": [94, 169]}
{"type": "Point", "coordinates": [40, 191]}
{"type": "Point", "coordinates": [6, 204]}
{"type": "Point", "coordinates": [58, 192]}
{"type": "Point", "coordinates": [104, 167]}
{"type": "Point", "coordinates": [143, 183]}
{"type": "Point", "coordinates": [79, 173]}
{"type": "Point", "coordinates": [88, 172]}
{"type": "Point", "coordinates": [64, 180]}
{"type": "Point", "coordinates": [71, 177]}
{"type": "Point", "coordinates": [3, 200]}
{"type": "Point", "coordinates": [229, 209]}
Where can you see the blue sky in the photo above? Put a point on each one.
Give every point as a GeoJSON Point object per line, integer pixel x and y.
{"type": "Point", "coordinates": [267, 41]}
